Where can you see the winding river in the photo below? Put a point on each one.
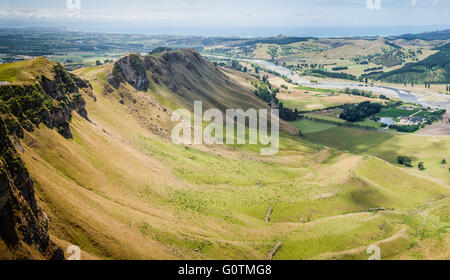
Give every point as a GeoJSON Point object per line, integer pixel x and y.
{"type": "Point", "coordinates": [427, 99]}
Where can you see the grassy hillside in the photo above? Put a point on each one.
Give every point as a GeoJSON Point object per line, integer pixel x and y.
{"type": "Point", "coordinates": [121, 190]}
{"type": "Point", "coordinates": [435, 68]}
{"type": "Point", "coordinates": [429, 150]}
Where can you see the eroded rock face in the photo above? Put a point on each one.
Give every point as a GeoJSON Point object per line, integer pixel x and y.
{"type": "Point", "coordinates": [49, 101]}
{"type": "Point", "coordinates": [22, 222]}
{"type": "Point", "coordinates": [132, 70]}
{"type": "Point", "coordinates": [23, 225]}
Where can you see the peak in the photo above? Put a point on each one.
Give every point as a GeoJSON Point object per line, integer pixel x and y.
{"type": "Point", "coordinates": [39, 63]}
{"type": "Point", "coordinates": [182, 53]}
{"type": "Point", "coordinates": [132, 68]}
{"type": "Point", "coordinates": [42, 59]}
{"type": "Point", "coordinates": [130, 55]}
{"type": "Point", "coordinates": [28, 71]}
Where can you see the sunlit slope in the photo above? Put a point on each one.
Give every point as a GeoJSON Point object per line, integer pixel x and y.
{"type": "Point", "coordinates": [120, 189]}
{"type": "Point", "coordinates": [427, 149]}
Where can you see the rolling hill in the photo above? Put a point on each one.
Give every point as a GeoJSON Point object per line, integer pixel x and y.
{"type": "Point", "coordinates": [426, 36]}
{"type": "Point", "coordinates": [117, 187]}
{"type": "Point", "coordinates": [433, 69]}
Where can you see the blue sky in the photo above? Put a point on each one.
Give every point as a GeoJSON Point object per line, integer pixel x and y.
{"type": "Point", "coordinates": [219, 14]}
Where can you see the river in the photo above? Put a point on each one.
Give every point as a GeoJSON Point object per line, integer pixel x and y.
{"type": "Point", "coordinates": [426, 99]}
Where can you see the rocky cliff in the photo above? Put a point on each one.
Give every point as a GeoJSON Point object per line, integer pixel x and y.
{"type": "Point", "coordinates": [130, 69]}
{"type": "Point", "coordinates": [23, 106]}
{"type": "Point", "coordinates": [23, 225]}
{"type": "Point", "coordinates": [188, 75]}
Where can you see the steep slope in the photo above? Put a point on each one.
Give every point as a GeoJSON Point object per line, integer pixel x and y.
{"type": "Point", "coordinates": [120, 189]}
{"type": "Point", "coordinates": [45, 94]}
{"type": "Point", "coordinates": [178, 78]}
{"type": "Point", "coordinates": [185, 73]}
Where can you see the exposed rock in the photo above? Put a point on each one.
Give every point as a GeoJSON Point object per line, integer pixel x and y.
{"type": "Point", "coordinates": [273, 251]}
{"type": "Point", "coordinates": [132, 70]}
{"type": "Point", "coordinates": [22, 222]}
{"type": "Point", "coordinates": [50, 101]}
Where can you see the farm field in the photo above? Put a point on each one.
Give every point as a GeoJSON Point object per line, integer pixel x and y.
{"type": "Point", "coordinates": [387, 146]}
{"type": "Point", "coordinates": [310, 99]}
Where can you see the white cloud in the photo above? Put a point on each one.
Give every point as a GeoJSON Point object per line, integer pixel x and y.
{"type": "Point", "coordinates": [46, 14]}
{"type": "Point", "coordinates": [241, 13]}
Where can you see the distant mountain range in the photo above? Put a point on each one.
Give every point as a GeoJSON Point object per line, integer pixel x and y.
{"type": "Point", "coordinates": [427, 36]}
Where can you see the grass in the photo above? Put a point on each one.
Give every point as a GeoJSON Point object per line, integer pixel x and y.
{"type": "Point", "coordinates": [122, 192]}
{"type": "Point", "coordinates": [429, 150]}
{"type": "Point", "coordinates": [369, 122]}
{"type": "Point", "coordinates": [395, 113]}
{"type": "Point", "coordinates": [387, 146]}
{"type": "Point", "coordinates": [332, 116]}
{"type": "Point", "coordinates": [348, 139]}
{"type": "Point", "coordinates": [307, 127]}
{"type": "Point", "coordinates": [26, 72]}
{"type": "Point", "coordinates": [334, 235]}
{"type": "Point", "coordinates": [9, 71]}
{"type": "Point", "coordinates": [305, 104]}
{"type": "Point", "coordinates": [314, 89]}
{"type": "Point", "coordinates": [203, 168]}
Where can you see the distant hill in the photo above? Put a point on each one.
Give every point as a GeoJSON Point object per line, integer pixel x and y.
{"type": "Point", "coordinates": [390, 59]}
{"type": "Point", "coordinates": [433, 69]}
{"type": "Point", "coordinates": [281, 40]}
{"type": "Point", "coordinates": [427, 36]}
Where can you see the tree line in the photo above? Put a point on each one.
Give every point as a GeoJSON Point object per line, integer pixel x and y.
{"type": "Point", "coordinates": [337, 123]}
{"type": "Point", "coordinates": [359, 112]}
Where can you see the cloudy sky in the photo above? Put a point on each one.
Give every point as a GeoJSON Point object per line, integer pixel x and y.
{"type": "Point", "coordinates": [221, 14]}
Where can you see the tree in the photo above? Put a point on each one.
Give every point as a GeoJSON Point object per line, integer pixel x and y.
{"type": "Point", "coordinates": [404, 160]}
{"type": "Point", "coordinates": [421, 166]}
{"type": "Point", "coordinates": [236, 65]}
{"type": "Point", "coordinates": [359, 112]}
{"type": "Point", "coordinates": [273, 51]}
{"type": "Point", "coordinates": [98, 63]}
{"type": "Point", "coordinates": [444, 161]}
{"type": "Point", "coordinates": [407, 162]}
